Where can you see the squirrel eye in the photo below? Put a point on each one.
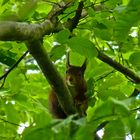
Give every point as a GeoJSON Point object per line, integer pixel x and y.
{"type": "Point", "coordinates": [67, 71]}
{"type": "Point", "coordinates": [71, 79]}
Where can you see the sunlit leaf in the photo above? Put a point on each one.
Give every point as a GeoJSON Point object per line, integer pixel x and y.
{"type": "Point", "coordinates": [134, 59]}
{"type": "Point", "coordinates": [106, 110]}
{"type": "Point", "coordinates": [12, 114]}
{"type": "Point", "coordinates": [137, 134]}
{"type": "Point", "coordinates": [117, 132]}
{"type": "Point", "coordinates": [76, 59]}
{"type": "Point", "coordinates": [43, 7]}
{"type": "Point", "coordinates": [27, 10]}
{"type": "Point", "coordinates": [57, 52]}
{"type": "Point", "coordinates": [82, 46]}
{"type": "Point", "coordinates": [4, 2]}
{"type": "Point", "coordinates": [36, 133]}
{"type": "Point", "coordinates": [7, 57]}
{"type": "Point", "coordinates": [63, 36]}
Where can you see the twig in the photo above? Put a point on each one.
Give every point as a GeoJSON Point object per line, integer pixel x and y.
{"type": "Point", "coordinates": [84, 7]}
{"type": "Point", "coordinates": [124, 70]}
{"type": "Point", "coordinates": [67, 14]}
{"type": "Point", "coordinates": [12, 123]}
{"type": "Point", "coordinates": [135, 109]}
{"type": "Point", "coordinates": [96, 42]}
{"type": "Point", "coordinates": [72, 23]}
{"type": "Point", "coordinates": [3, 82]}
{"type": "Point", "coordinates": [57, 10]}
{"type": "Point", "coordinates": [14, 65]}
{"type": "Point", "coordinates": [105, 75]}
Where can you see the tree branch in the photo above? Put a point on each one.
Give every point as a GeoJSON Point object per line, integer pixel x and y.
{"type": "Point", "coordinates": [14, 65]}
{"type": "Point", "coordinates": [53, 76]}
{"type": "Point", "coordinates": [58, 9]}
{"type": "Point", "coordinates": [16, 31]}
{"type": "Point", "coordinates": [124, 70]}
{"type": "Point", "coordinates": [72, 23]}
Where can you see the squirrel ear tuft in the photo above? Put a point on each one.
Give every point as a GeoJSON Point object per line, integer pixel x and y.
{"type": "Point", "coordinates": [83, 67]}
{"type": "Point", "coordinates": [68, 59]}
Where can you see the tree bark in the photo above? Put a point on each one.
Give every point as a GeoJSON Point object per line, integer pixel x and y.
{"type": "Point", "coordinates": [52, 75]}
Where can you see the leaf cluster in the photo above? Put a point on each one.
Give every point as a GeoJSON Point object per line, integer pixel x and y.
{"type": "Point", "coordinates": [109, 26]}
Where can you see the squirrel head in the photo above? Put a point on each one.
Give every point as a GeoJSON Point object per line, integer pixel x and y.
{"type": "Point", "coordinates": [75, 74]}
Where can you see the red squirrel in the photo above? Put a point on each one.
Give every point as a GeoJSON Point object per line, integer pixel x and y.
{"type": "Point", "coordinates": [76, 83]}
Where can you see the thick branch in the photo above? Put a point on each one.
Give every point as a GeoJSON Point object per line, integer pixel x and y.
{"type": "Point", "coordinates": [16, 31]}
{"type": "Point", "coordinates": [52, 75]}
{"type": "Point", "coordinates": [72, 23]}
{"type": "Point", "coordinates": [124, 70]}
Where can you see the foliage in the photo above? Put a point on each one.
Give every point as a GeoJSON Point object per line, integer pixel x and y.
{"type": "Point", "coordinates": [112, 27]}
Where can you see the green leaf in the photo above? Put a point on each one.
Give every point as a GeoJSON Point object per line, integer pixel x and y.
{"type": "Point", "coordinates": [91, 12]}
{"type": "Point", "coordinates": [104, 34]}
{"type": "Point", "coordinates": [42, 119]}
{"type": "Point", "coordinates": [114, 93]}
{"type": "Point", "coordinates": [103, 28]}
{"type": "Point", "coordinates": [82, 46]}
{"type": "Point", "coordinates": [135, 59]}
{"type": "Point", "coordinates": [27, 10]}
{"type": "Point", "coordinates": [113, 26]}
{"type": "Point", "coordinates": [76, 59]}
{"type": "Point", "coordinates": [20, 98]}
{"type": "Point", "coordinates": [139, 38]}
{"type": "Point", "coordinates": [67, 127]}
{"type": "Point", "coordinates": [112, 3]}
{"type": "Point", "coordinates": [125, 21]}
{"type": "Point", "coordinates": [65, 124]}
{"type": "Point", "coordinates": [85, 133]}
{"type": "Point", "coordinates": [12, 114]}
{"type": "Point", "coordinates": [4, 2]}
{"type": "Point", "coordinates": [9, 16]}
{"type": "Point", "coordinates": [130, 123]}
{"type": "Point", "coordinates": [120, 8]}
{"type": "Point", "coordinates": [125, 2]}
{"type": "Point", "coordinates": [80, 122]}
{"type": "Point", "coordinates": [43, 7]}
{"type": "Point", "coordinates": [97, 70]}
{"type": "Point", "coordinates": [137, 133]}
{"type": "Point", "coordinates": [114, 130]}
{"type": "Point", "coordinates": [7, 57]}
{"type": "Point", "coordinates": [108, 110]}
{"type": "Point", "coordinates": [63, 36]}
{"type": "Point", "coordinates": [7, 131]}
{"type": "Point", "coordinates": [37, 133]}
{"type": "Point", "coordinates": [15, 86]}
{"type": "Point", "coordinates": [57, 52]}
{"type": "Point", "coordinates": [134, 4]}
{"type": "Point", "coordinates": [112, 86]}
